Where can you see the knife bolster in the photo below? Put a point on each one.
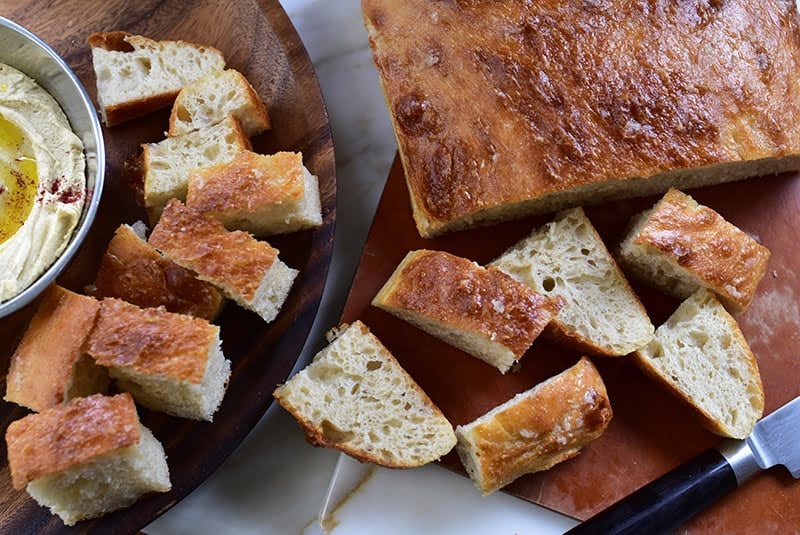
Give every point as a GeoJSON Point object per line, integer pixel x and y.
{"type": "Point", "coordinates": [741, 458]}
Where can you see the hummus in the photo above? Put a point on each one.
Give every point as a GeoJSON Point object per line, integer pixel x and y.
{"type": "Point", "coordinates": [42, 181]}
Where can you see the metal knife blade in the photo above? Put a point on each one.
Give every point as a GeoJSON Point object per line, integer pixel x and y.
{"type": "Point", "coordinates": [776, 438]}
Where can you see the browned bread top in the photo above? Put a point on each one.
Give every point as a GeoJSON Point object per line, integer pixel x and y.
{"type": "Point", "coordinates": [497, 102]}
{"type": "Point", "coordinates": [67, 435]}
{"type": "Point", "coordinates": [465, 296]}
{"type": "Point", "coordinates": [538, 429]}
{"type": "Point", "coordinates": [247, 183]}
{"type": "Point", "coordinates": [42, 365]}
{"type": "Point", "coordinates": [151, 341]}
{"type": "Point", "coordinates": [202, 244]}
{"type": "Point", "coordinates": [134, 271]}
{"type": "Point", "coordinates": [701, 241]}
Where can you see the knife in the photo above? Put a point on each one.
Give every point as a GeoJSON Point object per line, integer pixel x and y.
{"type": "Point", "coordinates": [671, 500]}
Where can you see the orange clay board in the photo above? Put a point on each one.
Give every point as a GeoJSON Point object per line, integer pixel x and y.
{"type": "Point", "coordinates": [651, 432]}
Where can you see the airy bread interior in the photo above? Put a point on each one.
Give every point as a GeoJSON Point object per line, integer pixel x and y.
{"type": "Point", "coordinates": [356, 397]}
{"type": "Point", "coordinates": [180, 398]}
{"type": "Point", "coordinates": [212, 98]}
{"type": "Point", "coordinates": [272, 292]}
{"type": "Point", "coordinates": [701, 354]}
{"type": "Point", "coordinates": [168, 163]}
{"type": "Point", "coordinates": [149, 69]}
{"type": "Point", "coordinates": [566, 257]}
{"type": "Point", "coordinates": [106, 483]}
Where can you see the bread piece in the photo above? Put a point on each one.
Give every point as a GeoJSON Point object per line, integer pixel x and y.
{"type": "Point", "coordinates": [49, 366]}
{"type": "Point", "coordinates": [168, 163]}
{"type": "Point", "coordinates": [212, 98]}
{"type": "Point", "coordinates": [679, 246]}
{"type": "Point", "coordinates": [537, 429]}
{"type": "Point", "coordinates": [504, 108]}
{"type": "Point", "coordinates": [244, 269]}
{"type": "Point", "coordinates": [478, 310]}
{"type": "Point", "coordinates": [86, 458]}
{"type": "Point", "coordinates": [264, 195]}
{"type": "Point", "coordinates": [134, 271]}
{"type": "Point", "coordinates": [169, 362]}
{"type": "Point", "coordinates": [356, 397]}
{"type": "Point", "coordinates": [136, 75]}
{"type": "Point", "coordinates": [701, 355]}
{"type": "Point", "coordinates": [567, 258]}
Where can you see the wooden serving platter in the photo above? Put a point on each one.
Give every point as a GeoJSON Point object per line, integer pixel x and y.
{"type": "Point", "coordinates": [651, 432]}
{"type": "Point", "coordinates": [257, 39]}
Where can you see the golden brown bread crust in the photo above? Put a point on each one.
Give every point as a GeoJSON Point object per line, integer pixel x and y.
{"type": "Point", "coordinates": [248, 183]}
{"type": "Point", "coordinates": [463, 295]}
{"type": "Point", "coordinates": [698, 239]}
{"type": "Point", "coordinates": [200, 243]}
{"type": "Point", "coordinates": [151, 341]}
{"type": "Point", "coordinates": [65, 436]}
{"type": "Point", "coordinates": [551, 109]}
{"type": "Point", "coordinates": [540, 430]}
{"type": "Point", "coordinates": [132, 270]}
{"type": "Point", "coordinates": [42, 366]}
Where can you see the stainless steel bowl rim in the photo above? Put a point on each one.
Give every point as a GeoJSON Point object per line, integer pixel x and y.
{"type": "Point", "coordinates": [93, 195]}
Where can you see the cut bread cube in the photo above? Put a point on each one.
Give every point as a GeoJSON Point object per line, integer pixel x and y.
{"type": "Point", "coordinates": [679, 246]}
{"type": "Point", "coordinates": [355, 397]}
{"type": "Point", "coordinates": [567, 258]}
{"type": "Point", "coordinates": [86, 458]}
{"type": "Point", "coordinates": [263, 195]}
{"type": "Point", "coordinates": [168, 163]}
{"type": "Point", "coordinates": [481, 311]}
{"type": "Point", "coordinates": [134, 271]}
{"type": "Point", "coordinates": [210, 99]}
{"type": "Point", "coordinates": [136, 75]}
{"type": "Point", "coordinates": [243, 268]}
{"type": "Point", "coordinates": [701, 355]}
{"type": "Point", "coordinates": [537, 429]}
{"type": "Point", "coordinates": [49, 367]}
{"type": "Point", "coordinates": [169, 362]}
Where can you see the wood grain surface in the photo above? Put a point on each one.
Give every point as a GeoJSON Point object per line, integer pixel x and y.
{"type": "Point", "coordinates": [258, 39]}
{"type": "Point", "coordinates": [651, 432]}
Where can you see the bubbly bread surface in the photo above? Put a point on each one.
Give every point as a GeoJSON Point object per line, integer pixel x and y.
{"type": "Point", "coordinates": [136, 75]}
{"type": "Point", "coordinates": [559, 116]}
{"type": "Point", "coordinates": [47, 368]}
{"type": "Point", "coordinates": [210, 99]}
{"type": "Point", "coordinates": [243, 268]}
{"type": "Point", "coordinates": [680, 246]}
{"type": "Point", "coordinates": [151, 341]}
{"type": "Point", "coordinates": [262, 194]}
{"type": "Point", "coordinates": [168, 163]}
{"type": "Point", "coordinates": [481, 311]}
{"type": "Point", "coordinates": [701, 355]}
{"type": "Point", "coordinates": [134, 271]}
{"type": "Point", "coordinates": [567, 258]}
{"type": "Point", "coordinates": [68, 435]}
{"type": "Point", "coordinates": [356, 397]}
{"type": "Point", "coordinates": [537, 429]}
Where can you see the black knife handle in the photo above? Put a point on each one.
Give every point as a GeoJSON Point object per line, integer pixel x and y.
{"type": "Point", "coordinates": [667, 502]}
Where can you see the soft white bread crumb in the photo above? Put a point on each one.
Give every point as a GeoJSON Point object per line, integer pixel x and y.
{"type": "Point", "coordinates": [701, 355]}
{"type": "Point", "coordinates": [168, 163]}
{"type": "Point", "coordinates": [262, 194]}
{"type": "Point", "coordinates": [106, 483]}
{"type": "Point", "coordinates": [210, 99]}
{"type": "Point", "coordinates": [356, 397]}
{"type": "Point", "coordinates": [567, 258]}
{"type": "Point", "coordinates": [136, 75]}
{"type": "Point", "coordinates": [680, 245]}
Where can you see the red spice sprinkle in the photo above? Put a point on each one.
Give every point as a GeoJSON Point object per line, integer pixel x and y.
{"type": "Point", "coordinates": [70, 195]}
{"type": "Point", "coordinates": [2, 189]}
{"type": "Point", "coordinates": [54, 187]}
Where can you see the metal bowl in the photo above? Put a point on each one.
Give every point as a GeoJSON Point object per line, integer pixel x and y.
{"type": "Point", "coordinates": [22, 50]}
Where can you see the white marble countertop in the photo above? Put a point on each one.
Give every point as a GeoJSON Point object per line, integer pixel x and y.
{"type": "Point", "coordinates": [275, 482]}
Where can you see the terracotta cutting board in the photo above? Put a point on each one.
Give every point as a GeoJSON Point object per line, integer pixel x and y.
{"type": "Point", "coordinates": [259, 40]}
{"type": "Point", "coordinates": [651, 432]}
